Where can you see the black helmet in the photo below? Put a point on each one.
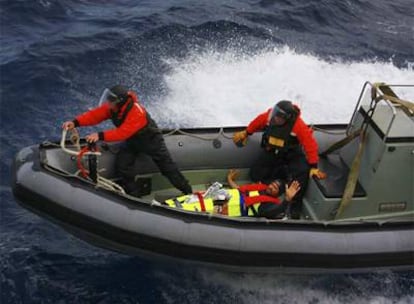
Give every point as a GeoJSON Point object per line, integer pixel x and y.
{"type": "Point", "coordinates": [282, 112]}
{"type": "Point", "coordinates": [119, 94]}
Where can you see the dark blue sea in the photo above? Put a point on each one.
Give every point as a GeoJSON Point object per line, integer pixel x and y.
{"type": "Point", "coordinates": [193, 63]}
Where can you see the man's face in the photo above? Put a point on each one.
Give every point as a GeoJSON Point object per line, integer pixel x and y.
{"type": "Point", "coordinates": [273, 189]}
{"type": "Point", "coordinates": [279, 116]}
{"type": "Point", "coordinates": [279, 120]}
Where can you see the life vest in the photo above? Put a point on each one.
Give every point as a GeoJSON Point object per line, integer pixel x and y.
{"type": "Point", "coordinates": [118, 116]}
{"type": "Point", "coordinates": [280, 138]}
{"type": "Point", "coordinates": [240, 203]}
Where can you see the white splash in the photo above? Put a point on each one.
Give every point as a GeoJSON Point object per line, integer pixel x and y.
{"type": "Point", "coordinates": [227, 89]}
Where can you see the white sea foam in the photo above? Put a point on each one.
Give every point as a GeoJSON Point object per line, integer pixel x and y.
{"type": "Point", "coordinates": [229, 89]}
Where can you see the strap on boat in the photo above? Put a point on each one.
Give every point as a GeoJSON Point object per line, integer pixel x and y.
{"type": "Point", "coordinates": [201, 200]}
{"type": "Point", "coordinates": [352, 177]}
{"type": "Point", "coordinates": [340, 143]}
{"type": "Point", "coordinates": [356, 163]}
{"type": "Point", "coordinates": [390, 95]}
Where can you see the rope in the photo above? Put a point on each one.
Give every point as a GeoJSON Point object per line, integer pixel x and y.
{"type": "Point", "coordinates": [82, 169]}
{"type": "Point", "coordinates": [179, 131]}
{"type": "Point", "coordinates": [102, 182]}
{"type": "Point", "coordinates": [75, 139]}
{"type": "Point", "coordinates": [109, 185]}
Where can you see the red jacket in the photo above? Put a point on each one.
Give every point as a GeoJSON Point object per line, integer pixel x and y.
{"type": "Point", "coordinates": [303, 133]}
{"type": "Point", "coordinates": [135, 120]}
{"type": "Point", "coordinates": [261, 198]}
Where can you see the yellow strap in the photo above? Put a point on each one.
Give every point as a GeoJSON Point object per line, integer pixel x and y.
{"type": "Point", "coordinates": [405, 103]}
{"type": "Point", "coordinates": [341, 143]}
{"type": "Point", "coordinates": [390, 95]}
{"type": "Point", "coordinates": [352, 178]}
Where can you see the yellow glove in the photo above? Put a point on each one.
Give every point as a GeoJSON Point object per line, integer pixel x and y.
{"type": "Point", "coordinates": [317, 173]}
{"type": "Point", "coordinates": [240, 138]}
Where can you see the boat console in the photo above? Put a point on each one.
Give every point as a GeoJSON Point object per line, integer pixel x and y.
{"type": "Point", "coordinates": [382, 161]}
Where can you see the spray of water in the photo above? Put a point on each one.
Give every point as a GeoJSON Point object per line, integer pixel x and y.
{"type": "Point", "coordinates": [229, 89]}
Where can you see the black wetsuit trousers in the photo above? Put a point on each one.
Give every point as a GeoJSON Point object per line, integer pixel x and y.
{"type": "Point", "coordinates": [151, 143]}
{"type": "Point", "coordinates": [288, 165]}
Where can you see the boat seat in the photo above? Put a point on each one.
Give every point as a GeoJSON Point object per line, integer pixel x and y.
{"type": "Point", "coordinates": [334, 185]}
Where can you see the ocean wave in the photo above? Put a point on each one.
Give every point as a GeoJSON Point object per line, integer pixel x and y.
{"type": "Point", "coordinates": [231, 88]}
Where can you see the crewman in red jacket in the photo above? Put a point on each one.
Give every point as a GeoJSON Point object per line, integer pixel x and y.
{"type": "Point", "coordinates": [134, 125]}
{"type": "Point", "coordinates": [290, 151]}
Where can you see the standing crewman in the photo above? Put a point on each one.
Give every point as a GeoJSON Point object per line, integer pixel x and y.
{"type": "Point", "coordinates": [290, 151]}
{"type": "Point", "coordinates": [134, 125]}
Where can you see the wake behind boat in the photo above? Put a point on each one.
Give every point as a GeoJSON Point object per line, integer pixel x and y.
{"type": "Point", "coordinates": [360, 217]}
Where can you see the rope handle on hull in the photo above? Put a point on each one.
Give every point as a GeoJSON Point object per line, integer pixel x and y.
{"type": "Point", "coordinates": [92, 152]}
{"type": "Point", "coordinates": [74, 136]}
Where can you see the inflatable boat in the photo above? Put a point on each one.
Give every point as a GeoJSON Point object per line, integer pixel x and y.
{"type": "Point", "coordinates": [361, 217]}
